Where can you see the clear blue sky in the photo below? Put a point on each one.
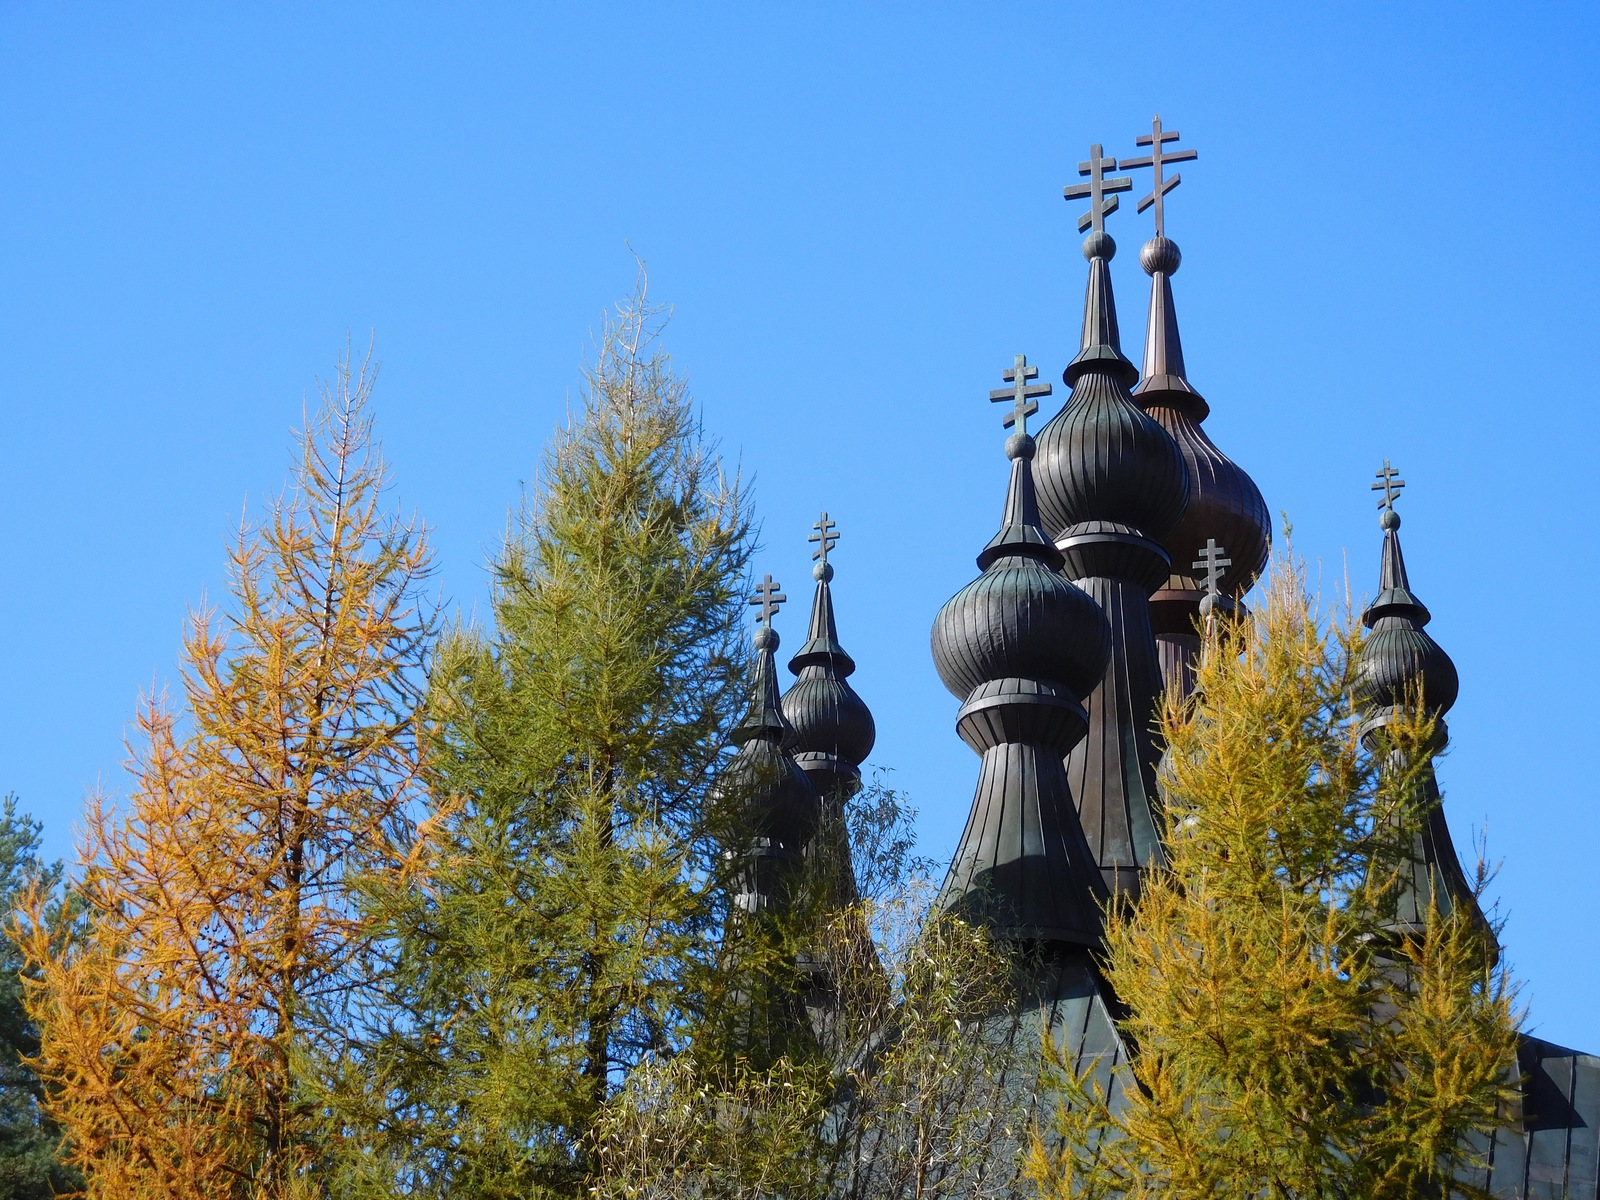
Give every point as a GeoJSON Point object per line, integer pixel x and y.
{"type": "Point", "coordinates": [1388, 248]}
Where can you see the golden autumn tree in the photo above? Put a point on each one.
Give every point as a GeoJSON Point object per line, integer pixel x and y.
{"type": "Point", "coordinates": [219, 955]}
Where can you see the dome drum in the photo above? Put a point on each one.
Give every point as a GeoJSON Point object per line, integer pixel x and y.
{"type": "Point", "coordinates": [1108, 550]}
{"type": "Point", "coordinates": [1021, 710]}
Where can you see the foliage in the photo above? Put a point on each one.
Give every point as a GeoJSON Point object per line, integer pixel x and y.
{"type": "Point", "coordinates": [564, 915]}
{"type": "Point", "coordinates": [220, 950]}
{"type": "Point", "coordinates": [913, 1085]}
{"type": "Point", "coordinates": [30, 1165]}
{"type": "Point", "coordinates": [1283, 1042]}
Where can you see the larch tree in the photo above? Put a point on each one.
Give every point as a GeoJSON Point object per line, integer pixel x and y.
{"type": "Point", "coordinates": [1284, 1042]}
{"type": "Point", "coordinates": [220, 957]}
{"type": "Point", "coordinates": [561, 921]}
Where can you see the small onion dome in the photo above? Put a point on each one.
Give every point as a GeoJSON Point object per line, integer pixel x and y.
{"type": "Point", "coordinates": [1021, 618]}
{"type": "Point", "coordinates": [1224, 502]}
{"type": "Point", "coordinates": [1101, 458]}
{"type": "Point", "coordinates": [831, 723]}
{"type": "Point", "coordinates": [780, 800]}
{"type": "Point", "coordinates": [1398, 655]}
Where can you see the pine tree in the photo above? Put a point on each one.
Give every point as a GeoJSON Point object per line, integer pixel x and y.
{"type": "Point", "coordinates": [1283, 1042]}
{"type": "Point", "coordinates": [30, 1165]}
{"type": "Point", "coordinates": [565, 914]}
{"type": "Point", "coordinates": [220, 955]}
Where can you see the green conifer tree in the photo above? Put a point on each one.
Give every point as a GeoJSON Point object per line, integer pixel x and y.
{"type": "Point", "coordinates": [1284, 1042]}
{"type": "Point", "coordinates": [30, 1167]}
{"type": "Point", "coordinates": [559, 919]}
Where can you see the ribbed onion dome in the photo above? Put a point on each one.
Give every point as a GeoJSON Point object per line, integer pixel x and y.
{"type": "Point", "coordinates": [1102, 459]}
{"type": "Point", "coordinates": [1021, 646]}
{"type": "Point", "coordinates": [833, 728]}
{"type": "Point", "coordinates": [1398, 655]}
{"type": "Point", "coordinates": [780, 801]}
{"type": "Point", "coordinates": [1224, 502]}
{"type": "Point", "coordinates": [1021, 618]}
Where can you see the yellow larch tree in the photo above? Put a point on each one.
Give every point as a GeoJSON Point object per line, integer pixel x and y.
{"type": "Point", "coordinates": [218, 954]}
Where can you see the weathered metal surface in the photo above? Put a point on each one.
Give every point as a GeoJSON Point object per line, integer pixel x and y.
{"type": "Point", "coordinates": [1019, 646]}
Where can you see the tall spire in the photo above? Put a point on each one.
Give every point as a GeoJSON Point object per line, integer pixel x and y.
{"type": "Point", "coordinates": [779, 800]}
{"type": "Point", "coordinates": [833, 731]}
{"type": "Point", "coordinates": [1112, 483]}
{"type": "Point", "coordinates": [1020, 646]}
{"type": "Point", "coordinates": [1224, 502]}
{"type": "Point", "coordinates": [1399, 665]}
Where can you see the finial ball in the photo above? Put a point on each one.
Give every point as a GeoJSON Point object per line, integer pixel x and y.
{"type": "Point", "coordinates": [1209, 603]}
{"type": "Point", "coordinates": [1100, 244]}
{"type": "Point", "coordinates": [1160, 254]}
{"type": "Point", "coordinates": [1389, 520]}
{"type": "Point", "coordinates": [822, 572]}
{"type": "Point", "coordinates": [1019, 445]}
{"type": "Point", "coordinates": [766, 637]}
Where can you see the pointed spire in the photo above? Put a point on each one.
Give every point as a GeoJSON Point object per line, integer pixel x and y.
{"type": "Point", "coordinates": [763, 717]}
{"type": "Point", "coordinates": [1398, 663]}
{"type": "Point", "coordinates": [1224, 503]}
{"type": "Point", "coordinates": [1020, 645]}
{"type": "Point", "coordinates": [1100, 346]}
{"type": "Point", "coordinates": [1020, 531]}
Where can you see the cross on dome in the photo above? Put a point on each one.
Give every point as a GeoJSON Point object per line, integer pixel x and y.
{"type": "Point", "coordinates": [1213, 562]}
{"type": "Point", "coordinates": [768, 598]}
{"type": "Point", "coordinates": [1158, 158]}
{"type": "Point", "coordinates": [1389, 485]}
{"type": "Point", "coordinates": [1099, 189]}
{"type": "Point", "coordinates": [827, 534]}
{"type": "Point", "coordinates": [1023, 395]}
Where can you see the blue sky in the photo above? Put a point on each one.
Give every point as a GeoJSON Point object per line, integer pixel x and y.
{"type": "Point", "coordinates": [855, 210]}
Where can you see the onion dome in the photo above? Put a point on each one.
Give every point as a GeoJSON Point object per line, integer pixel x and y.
{"type": "Point", "coordinates": [833, 729]}
{"type": "Point", "coordinates": [1398, 664]}
{"type": "Point", "coordinates": [779, 801]}
{"type": "Point", "coordinates": [1020, 645]}
{"type": "Point", "coordinates": [1224, 503]}
{"type": "Point", "coordinates": [1112, 485]}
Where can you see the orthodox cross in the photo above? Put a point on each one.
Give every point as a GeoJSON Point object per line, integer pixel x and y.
{"type": "Point", "coordinates": [1099, 189]}
{"type": "Point", "coordinates": [1023, 395]}
{"type": "Point", "coordinates": [1389, 485]}
{"type": "Point", "coordinates": [1158, 158]}
{"type": "Point", "coordinates": [1213, 562]}
{"type": "Point", "coordinates": [827, 534]}
{"type": "Point", "coordinates": [767, 597]}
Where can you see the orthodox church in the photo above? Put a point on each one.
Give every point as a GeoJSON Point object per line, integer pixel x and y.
{"type": "Point", "coordinates": [1123, 523]}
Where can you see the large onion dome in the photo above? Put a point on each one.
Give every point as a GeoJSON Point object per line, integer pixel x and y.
{"type": "Point", "coordinates": [1225, 505]}
{"type": "Point", "coordinates": [1020, 645]}
{"type": "Point", "coordinates": [1399, 665]}
{"type": "Point", "coordinates": [1112, 484]}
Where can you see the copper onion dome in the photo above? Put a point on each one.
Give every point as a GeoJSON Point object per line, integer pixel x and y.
{"type": "Point", "coordinates": [833, 728]}
{"type": "Point", "coordinates": [1020, 645]}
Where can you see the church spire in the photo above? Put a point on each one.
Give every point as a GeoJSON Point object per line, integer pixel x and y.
{"type": "Point", "coordinates": [779, 800]}
{"type": "Point", "coordinates": [833, 730]}
{"type": "Point", "coordinates": [1112, 483]}
{"type": "Point", "coordinates": [1399, 665]}
{"type": "Point", "coordinates": [1020, 646]}
{"type": "Point", "coordinates": [1224, 502]}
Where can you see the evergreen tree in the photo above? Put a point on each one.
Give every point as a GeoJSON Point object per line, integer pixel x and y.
{"type": "Point", "coordinates": [1284, 1042]}
{"type": "Point", "coordinates": [564, 916]}
{"type": "Point", "coordinates": [30, 1166]}
{"type": "Point", "coordinates": [220, 955]}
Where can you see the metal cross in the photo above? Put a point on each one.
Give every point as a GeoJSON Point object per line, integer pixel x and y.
{"type": "Point", "coordinates": [1022, 395]}
{"type": "Point", "coordinates": [1389, 485]}
{"type": "Point", "coordinates": [1213, 562]}
{"type": "Point", "coordinates": [827, 534]}
{"type": "Point", "coordinates": [1099, 189]}
{"type": "Point", "coordinates": [768, 597]}
{"type": "Point", "coordinates": [1158, 158]}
